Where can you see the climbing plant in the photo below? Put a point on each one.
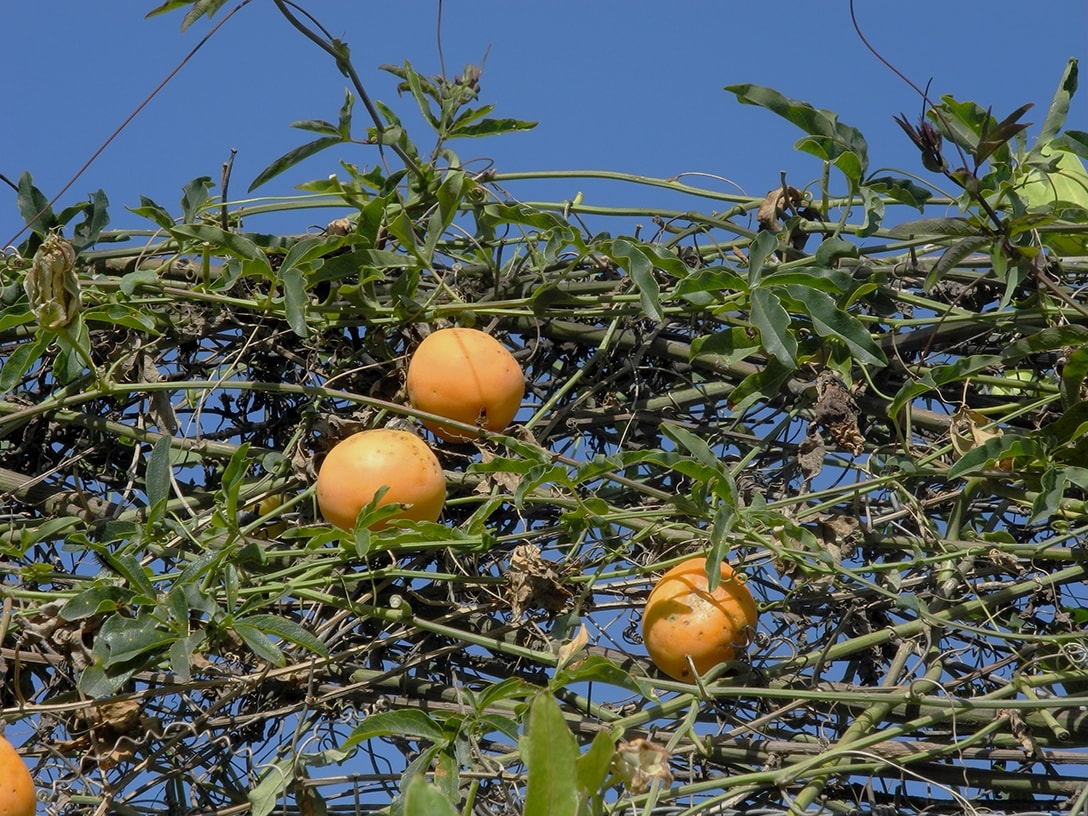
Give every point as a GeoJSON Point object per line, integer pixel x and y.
{"type": "Point", "coordinates": [866, 393]}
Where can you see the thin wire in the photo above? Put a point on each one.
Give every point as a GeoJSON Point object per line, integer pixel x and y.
{"type": "Point", "coordinates": [128, 119]}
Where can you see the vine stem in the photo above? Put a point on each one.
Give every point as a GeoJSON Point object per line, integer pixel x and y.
{"type": "Point", "coordinates": [869, 719]}
{"type": "Point", "coordinates": [345, 66]}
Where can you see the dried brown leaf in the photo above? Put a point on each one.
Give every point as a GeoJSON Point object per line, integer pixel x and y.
{"type": "Point", "coordinates": [1021, 731]}
{"type": "Point", "coordinates": [534, 582]}
{"type": "Point", "coordinates": [837, 413]}
{"type": "Point", "coordinates": [569, 650]}
{"type": "Point", "coordinates": [810, 453]}
{"type": "Point", "coordinates": [838, 534]}
{"type": "Point", "coordinates": [971, 429]}
{"type": "Point", "coordinates": [774, 206]}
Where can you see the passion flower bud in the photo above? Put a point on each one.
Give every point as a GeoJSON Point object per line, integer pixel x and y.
{"type": "Point", "coordinates": [52, 285]}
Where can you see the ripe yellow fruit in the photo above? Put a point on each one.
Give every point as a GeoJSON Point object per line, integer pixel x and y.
{"type": "Point", "coordinates": [16, 786]}
{"type": "Point", "coordinates": [683, 619]}
{"type": "Point", "coordinates": [358, 467]}
{"type": "Point", "coordinates": [468, 376]}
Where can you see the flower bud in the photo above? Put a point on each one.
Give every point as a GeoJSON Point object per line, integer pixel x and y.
{"type": "Point", "coordinates": [52, 285]}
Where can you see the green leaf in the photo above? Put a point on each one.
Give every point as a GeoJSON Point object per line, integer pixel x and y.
{"type": "Point", "coordinates": [15, 316]}
{"type": "Point", "coordinates": [48, 529]}
{"type": "Point", "coordinates": [95, 600]}
{"type": "Point", "coordinates": [725, 518]}
{"type": "Point", "coordinates": [266, 793]}
{"type": "Point", "coordinates": [1073, 141]}
{"type": "Point", "coordinates": [716, 280]}
{"type": "Point", "coordinates": [901, 190]}
{"type": "Point", "coordinates": [993, 450]}
{"type": "Point", "coordinates": [134, 574]}
{"type": "Point", "coordinates": [1059, 109]}
{"type": "Point", "coordinates": [169, 5]}
{"type": "Point", "coordinates": [758, 251]}
{"type": "Point", "coordinates": [194, 197]}
{"type": "Point", "coordinates": [288, 630]}
{"type": "Point", "coordinates": [1073, 375]}
{"type": "Point", "coordinates": [293, 157]}
{"type": "Point", "coordinates": [87, 232]}
{"type": "Point", "coordinates": [201, 8]}
{"type": "Point", "coordinates": [157, 474]}
{"type": "Point", "coordinates": [421, 798]}
{"type": "Point", "coordinates": [874, 212]}
{"type": "Point", "coordinates": [237, 245]}
{"type": "Point", "coordinates": [829, 139]}
{"type": "Point", "coordinates": [693, 444]}
{"type": "Point", "coordinates": [937, 376]}
{"type": "Point", "coordinates": [19, 361]}
{"type": "Point", "coordinates": [952, 256]}
{"type": "Point", "coordinates": [774, 324]}
{"type": "Point", "coordinates": [501, 725]}
{"type": "Point", "coordinates": [831, 320]}
{"type": "Point", "coordinates": [512, 688]}
{"type": "Point", "coordinates": [832, 249]}
{"type": "Point", "coordinates": [762, 384]}
{"type": "Point", "coordinates": [1059, 182]}
{"type": "Point", "coordinates": [408, 722]}
{"type": "Point", "coordinates": [258, 642]}
{"type": "Point", "coordinates": [153, 212]}
{"type": "Point", "coordinates": [599, 669]}
{"type": "Point", "coordinates": [231, 480]}
{"type": "Point", "coordinates": [34, 206]}
{"type": "Point", "coordinates": [1048, 339]}
{"type": "Point", "coordinates": [134, 280]}
{"type": "Point", "coordinates": [592, 769]}
{"type": "Point", "coordinates": [923, 227]}
{"type": "Point", "coordinates": [834, 281]}
{"type": "Point", "coordinates": [550, 754]}
{"type": "Point", "coordinates": [1053, 485]}
{"type": "Point", "coordinates": [491, 127]}
{"type": "Point", "coordinates": [295, 300]}
{"type": "Point", "coordinates": [415, 85]}
{"type": "Point", "coordinates": [730, 346]}
{"type": "Point", "coordinates": [75, 346]}
{"type": "Point", "coordinates": [343, 128]}
{"type": "Point", "coordinates": [640, 266]}
{"type": "Point", "coordinates": [121, 639]}
{"type": "Point", "coordinates": [317, 126]}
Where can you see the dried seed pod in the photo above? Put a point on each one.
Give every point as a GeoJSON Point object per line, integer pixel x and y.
{"type": "Point", "coordinates": [52, 285]}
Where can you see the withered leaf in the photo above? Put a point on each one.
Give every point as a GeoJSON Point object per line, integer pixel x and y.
{"type": "Point", "coordinates": [810, 453]}
{"type": "Point", "coordinates": [971, 429]}
{"type": "Point", "coordinates": [1021, 731]}
{"type": "Point", "coordinates": [838, 535]}
{"type": "Point", "coordinates": [639, 763]}
{"type": "Point", "coordinates": [534, 582]}
{"type": "Point", "coordinates": [776, 205]}
{"type": "Point", "coordinates": [506, 481]}
{"type": "Point", "coordinates": [837, 413]}
{"type": "Point", "coordinates": [570, 650]}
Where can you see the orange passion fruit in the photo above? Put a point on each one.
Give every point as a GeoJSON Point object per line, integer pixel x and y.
{"type": "Point", "coordinates": [362, 464]}
{"type": "Point", "coordinates": [468, 376]}
{"type": "Point", "coordinates": [16, 786]}
{"type": "Point", "coordinates": [683, 619]}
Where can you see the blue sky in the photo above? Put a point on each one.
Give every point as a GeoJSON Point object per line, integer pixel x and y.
{"type": "Point", "coordinates": [625, 86]}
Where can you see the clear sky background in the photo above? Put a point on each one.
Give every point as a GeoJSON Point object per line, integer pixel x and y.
{"type": "Point", "coordinates": [626, 86]}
